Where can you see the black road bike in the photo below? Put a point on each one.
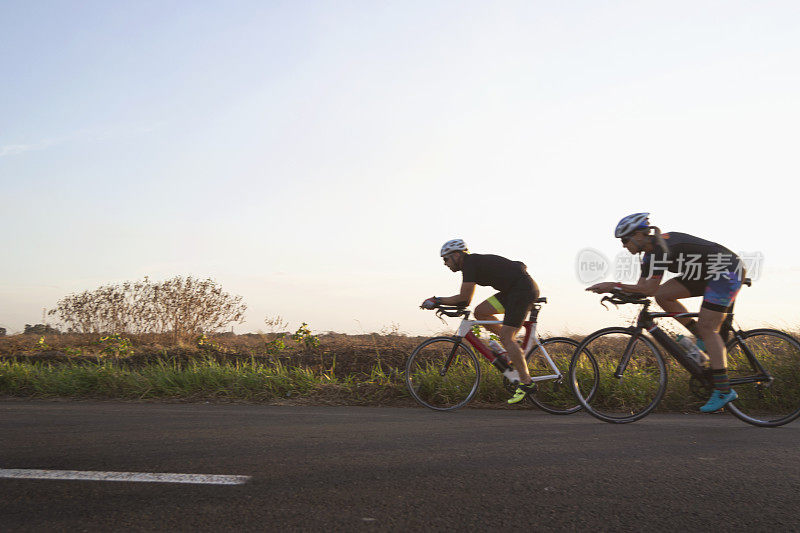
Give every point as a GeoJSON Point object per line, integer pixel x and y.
{"type": "Point", "coordinates": [763, 365]}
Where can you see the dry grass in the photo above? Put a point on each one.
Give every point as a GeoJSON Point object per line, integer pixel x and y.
{"type": "Point", "coordinates": [340, 369]}
{"type": "Point", "coordinates": [339, 353]}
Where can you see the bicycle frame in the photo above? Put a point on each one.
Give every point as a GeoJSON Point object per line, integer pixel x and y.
{"type": "Point", "coordinates": [646, 321]}
{"type": "Point", "coordinates": [530, 340]}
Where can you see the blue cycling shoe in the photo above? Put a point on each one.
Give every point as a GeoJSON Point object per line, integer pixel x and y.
{"type": "Point", "coordinates": [718, 400]}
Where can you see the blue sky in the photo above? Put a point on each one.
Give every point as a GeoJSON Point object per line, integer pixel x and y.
{"type": "Point", "coordinates": [313, 156]}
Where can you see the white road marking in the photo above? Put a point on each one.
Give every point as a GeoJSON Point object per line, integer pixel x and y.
{"type": "Point", "coordinates": [147, 477]}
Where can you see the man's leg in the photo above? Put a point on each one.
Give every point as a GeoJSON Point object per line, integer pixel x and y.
{"type": "Point", "coordinates": [487, 311]}
{"type": "Point", "coordinates": [508, 335]}
{"type": "Point", "coordinates": [517, 305]}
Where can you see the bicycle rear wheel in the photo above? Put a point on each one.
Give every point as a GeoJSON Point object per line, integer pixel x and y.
{"type": "Point", "coordinates": [555, 396]}
{"type": "Point", "coordinates": [769, 402]}
{"type": "Point", "coordinates": [442, 374]}
{"type": "Point", "coordinates": [629, 377]}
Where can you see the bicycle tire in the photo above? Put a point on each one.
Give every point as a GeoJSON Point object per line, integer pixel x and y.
{"type": "Point", "coordinates": [625, 399]}
{"type": "Point", "coordinates": [430, 387]}
{"type": "Point", "coordinates": [555, 396]}
{"type": "Point", "coordinates": [775, 403]}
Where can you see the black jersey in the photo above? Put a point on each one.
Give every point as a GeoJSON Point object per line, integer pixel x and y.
{"type": "Point", "coordinates": [689, 256]}
{"type": "Point", "coordinates": [492, 270]}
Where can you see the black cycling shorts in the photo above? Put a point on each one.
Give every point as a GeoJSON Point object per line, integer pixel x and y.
{"type": "Point", "coordinates": [515, 302]}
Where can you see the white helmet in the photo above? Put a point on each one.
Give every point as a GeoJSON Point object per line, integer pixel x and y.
{"type": "Point", "coordinates": [455, 245]}
{"type": "Point", "coordinates": [632, 223]}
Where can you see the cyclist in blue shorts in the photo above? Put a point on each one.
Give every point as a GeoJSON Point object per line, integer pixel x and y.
{"type": "Point", "coordinates": [517, 292]}
{"type": "Point", "coordinates": [704, 269]}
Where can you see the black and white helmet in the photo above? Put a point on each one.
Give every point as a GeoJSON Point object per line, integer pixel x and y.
{"type": "Point", "coordinates": [632, 223]}
{"type": "Point", "coordinates": [455, 245]}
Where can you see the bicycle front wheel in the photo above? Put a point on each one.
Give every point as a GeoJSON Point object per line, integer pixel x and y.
{"type": "Point", "coordinates": [555, 395]}
{"type": "Point", "coordinates": [629, 377]}
{"type": "Point", "coordinates": [443, 374]}
{"type": "Point", "coordinates": [775, 399]}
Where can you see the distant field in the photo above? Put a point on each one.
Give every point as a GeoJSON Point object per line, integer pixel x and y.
{"type": "Point", "coordinates": [339, 353]}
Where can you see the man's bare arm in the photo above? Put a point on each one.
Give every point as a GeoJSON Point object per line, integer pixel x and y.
{"type": "Point", "coordinates": [462, 298]}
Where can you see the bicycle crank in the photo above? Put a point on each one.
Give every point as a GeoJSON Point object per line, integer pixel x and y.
{"type": "Point", "coordinates": [699, 389]}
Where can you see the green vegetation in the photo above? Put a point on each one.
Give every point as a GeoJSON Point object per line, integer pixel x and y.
{"type": "Point", "coordinates": [251, 380]}
{"type": "Point", "coordinates": [204, 379]}
{"type": "Point", "coordinates": [301, 367]}
{"type": "Point", "coordinates": [162, 340]}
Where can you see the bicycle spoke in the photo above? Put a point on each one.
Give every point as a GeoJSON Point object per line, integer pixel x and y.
{"type": "Point", "coordinates": [436, 384]}
{"type": "Point", "coordinates": [765, 402]}
{"type": "Point", "coordinates": [554, 395]}
{"type": "Point", "coordinates": [624, 393]}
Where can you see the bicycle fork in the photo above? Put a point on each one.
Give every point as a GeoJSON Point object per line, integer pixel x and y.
{"type": "Point", "coordinates": [449, 361]}
{"type": "Point", "coordinates": [626, 355]}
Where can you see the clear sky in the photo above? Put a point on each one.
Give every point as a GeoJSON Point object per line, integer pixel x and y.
{"type": "Point", "coordinates": [313, 156]}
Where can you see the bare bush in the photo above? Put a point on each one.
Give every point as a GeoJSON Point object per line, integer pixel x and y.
{"type": "Point", "coordinates": [181, 306]}
{"type": "Point", "coordinates": [276, 324]}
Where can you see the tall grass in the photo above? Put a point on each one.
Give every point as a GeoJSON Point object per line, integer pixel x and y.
{"type": "Point", "coordinates": [344, 371]}
{"type": "Point", "coordinates": [195, 380]}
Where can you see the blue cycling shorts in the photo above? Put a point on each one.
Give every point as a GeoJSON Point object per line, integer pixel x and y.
{"type": "Point", "coordinates": [718, 294]}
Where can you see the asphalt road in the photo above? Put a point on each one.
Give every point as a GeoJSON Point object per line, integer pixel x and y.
{"type": "Point", "coordinates": [355, 468]}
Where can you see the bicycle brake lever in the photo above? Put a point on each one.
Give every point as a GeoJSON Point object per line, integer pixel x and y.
{"type": "Point", "coordinates": [439, 314]}
{"type": "Point", "coordinates": [608, 299]}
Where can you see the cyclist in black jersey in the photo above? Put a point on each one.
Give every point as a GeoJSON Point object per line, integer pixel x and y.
{"type": "Point", "coordinates": [704, 269]}
{"type": "Point", "coordinates": [517, 292]}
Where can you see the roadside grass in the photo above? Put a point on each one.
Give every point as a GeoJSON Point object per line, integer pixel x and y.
{"type": "Point", "coordinates": [204, 379]}
{"type": "Point", "coordinates": [341, 369]}
{"type": "Point", "coordinates": [251, 381]}
{"type": "Point", "coordinates": [208, 379]}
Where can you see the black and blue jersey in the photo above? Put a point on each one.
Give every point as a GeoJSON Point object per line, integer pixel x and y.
{"type": "Point", "coordinates": [690, 257]}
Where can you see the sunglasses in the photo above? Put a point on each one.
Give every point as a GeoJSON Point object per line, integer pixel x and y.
{"type": "Point", "coordinates": [625, 240]}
